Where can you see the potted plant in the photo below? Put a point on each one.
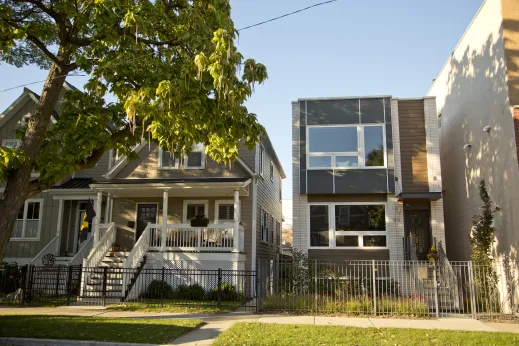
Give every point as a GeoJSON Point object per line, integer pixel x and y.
{"type": "Point", "coordinates": [433, 256]}
{"type": "Point", "coordinates": [116, 247]}
{"type": "Point", "coordinates": [199, 221]}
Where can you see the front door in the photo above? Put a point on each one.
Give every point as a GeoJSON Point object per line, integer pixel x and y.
{"type": "Point", "coordinates": [417, 228]}
{"type": "Point", "coordinates": [146, 213]}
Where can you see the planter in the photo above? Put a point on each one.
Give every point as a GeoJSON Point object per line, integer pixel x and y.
{"type": "Point", "coordinates": [116, 248]}
{"type": "Point", "coordinates": [199, 223]}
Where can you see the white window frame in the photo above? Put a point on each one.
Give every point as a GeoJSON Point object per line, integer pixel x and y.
{"type": "Point", "coordinates": [332, 233]}
{"type": "Point", "coordinates": [40, 221]}
{"type": "Point", "coordinates": [217, 209]}
{"type": "Point", "coordinates": [261, 163]}
{"type": "Point", "coordinates": [202, 161]}
{"type": "Point", "coordinates": [13, 140]}
{"type": "Point", "coordinates": [161, 167]}
{"type": "Point", "coordinates": [205, 202]}
{"type": "Point", "coordinates": [360, 145]}
{"type": "Point", "coordinates": [271, 171]}
{"type": "Point", "coordinates": [112, 161]}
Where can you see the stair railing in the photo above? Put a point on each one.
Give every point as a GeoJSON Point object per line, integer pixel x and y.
{"type": "Point", "coordinates": [135, 257]}
{"type": "Point", "coordinates": [51, 247]}
{"type": "Point", "coordinates": [82, 252]}
{"type": "Point", "coordinates": [98, 252]}
{"type": "Point", "coordinates": [447, 275]}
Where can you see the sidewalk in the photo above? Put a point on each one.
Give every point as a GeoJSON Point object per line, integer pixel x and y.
{"type": "Point", "coordinates": [217, 323]}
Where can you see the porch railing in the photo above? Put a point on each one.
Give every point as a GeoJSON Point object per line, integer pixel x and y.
{"type": "Point", "coordinates": [82, 252]}
{"type": "Point", "coordinates": [99, 250]}
{"type": "Point", "coordinates": [136, 255]}
{"type": "Point", "coordinates": [214, 237]}
{"type": "Point", "coordinates": [51, 247]}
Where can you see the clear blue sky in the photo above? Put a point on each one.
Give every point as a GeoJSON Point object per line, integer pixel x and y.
{"type": "Point", "coordinates": [345, 48]}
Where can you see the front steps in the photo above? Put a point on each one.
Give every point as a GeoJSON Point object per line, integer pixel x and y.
{"type": "Point", "coordinates": [95, 277]}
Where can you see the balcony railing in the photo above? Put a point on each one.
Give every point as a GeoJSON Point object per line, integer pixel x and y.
{"type": "Point", "coordinates": [183, 237]}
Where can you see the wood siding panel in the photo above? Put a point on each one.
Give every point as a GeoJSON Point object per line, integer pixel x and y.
{"type": "Point", "coordinates": [249, 157]}
{"type": "Point", "coordinates": [8, 130]}
{"type": "Point", "coordinates": [98, 171]}
{"type": "Point", "coordinates": [413, 149]}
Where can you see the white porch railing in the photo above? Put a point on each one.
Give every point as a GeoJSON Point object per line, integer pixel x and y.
{"type": "Point", "coordinates": [135, 257]}
{"type": "Point", "coordinates": [99, 250]}
{"type": "Point", "coordinates": [82, 252]}
{"type": "Point", "coordinates": [51, 247]}
{"type": "Point", "coordinates": [183, 237]}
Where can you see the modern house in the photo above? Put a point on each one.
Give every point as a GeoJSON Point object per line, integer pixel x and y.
{"type": "Point", "coordinates": [366, 178]}
{"type": "Point", "coordinates": [145, 207]}
{"type": "Point", "coordinates": [477, 102]}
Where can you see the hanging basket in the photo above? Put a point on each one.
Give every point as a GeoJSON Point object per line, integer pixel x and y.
{"type": "Point", "coordinates": [199, 222]}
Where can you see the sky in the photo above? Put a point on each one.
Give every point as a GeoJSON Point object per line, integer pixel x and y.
{"type": "Point", "coordinates": [344, 48]}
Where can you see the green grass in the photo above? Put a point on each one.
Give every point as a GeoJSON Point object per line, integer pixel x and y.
{"type": "Point", "coordinates": [279, 334]}
{"type": "Point", "coordinates": [178, 306]}
{"type": "Point", "coordinates": [137, 330]}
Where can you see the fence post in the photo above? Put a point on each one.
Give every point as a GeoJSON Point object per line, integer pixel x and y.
{"type": "Point", "coordinates": [472, 290]}
{"type": "Point", "coordinates": [69, 283]}
{"type": "Point", "coordinates": [31, 280]}
{"type": "Point", "coordinates": [374, 288]}
{"type": "Point", "coordinates": [315, 286]}
{"type": "Point", "coordinates": [163, 287]}
{"type": "Point", "coordinates": [105, 279]}
{"type": "Point", "coordinates": [25, 273]}
{"type": "Point", "coordinates": [257, 287]}
{"type": "Point", "coordinates": [58, 270]}
{"type": "Point", "coordinates": [435, 282]}
{"type": "Point", "coordinates": [219, 287]}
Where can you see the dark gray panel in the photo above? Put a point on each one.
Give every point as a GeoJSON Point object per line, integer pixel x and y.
{"type": "Point", "coordinates": [302, 147]}
{"type": "Point", "coordinates": [333, 112]}
{"type": "Point", "coordinates": [320, 182]}
{"type": "Point", "coordinates": [387, 105]}
{"type": "Point", "coordinates": [302, 113]}
{"type": "Point", "coordinates": [372, 111]}
{"type": "Point", "coordinates": [302, 182]}
{"type": "Point", "coordinates": [389, 146]}
{"type": "Point", "coordinates": [361, 181]}
{"type": "Point", "coordinates": [391, 180]}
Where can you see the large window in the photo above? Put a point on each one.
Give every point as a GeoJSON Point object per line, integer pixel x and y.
{"type": "Point", "coordinates": [344, 147]}
{"type": "Point", "coordinates": [353, 225]}
{"type": "Point", "coordinates": [28, 222]}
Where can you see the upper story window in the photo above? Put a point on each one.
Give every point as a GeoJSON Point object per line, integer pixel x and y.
{"type": "Point", "coordinates": [167, 160]}
{"type": "Point", "coordinates": [346, 146]}
{"type": "Point", "coordinates": [271, 171]}
{"type": "Point", "coordinates": [28, 222]}
{"type": "Point", "coordinates": [11, 143]}
{"type": "Point", "coordinates": [264, 227]}
{"type": "Point", "coordinates": [261, 159]}
{"type": "Point", "coordinates": [196, 158]}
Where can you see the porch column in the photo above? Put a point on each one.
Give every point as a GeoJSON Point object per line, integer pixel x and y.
{"type": "Point", "coordinates": [107, 209]}
{"type": "Point", "coordinates": [164, 220]}
{"type": "Point", "coordinates": [59, 226]}
{"type": "Point", "coordinates": [236, 240]}
{"type": "Point", "coordinates": [98, 205]}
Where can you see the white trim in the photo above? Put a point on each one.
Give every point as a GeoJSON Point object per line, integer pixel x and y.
{"type": "Point", "coordinates": [119, 165]}
{"type": "Point", "coordinates": [24, 225]}
{"type": "Point", "coordinates": [137, 216]}
{"type": "Point", "coordinates": [271, 171]}
{"type": "Point", "coordinates": [261, 160]}
{"type": "Point", "coordinates": [78, 197]}
{"type": "Point", "coordinates": [217, 207]}
{"type": "Point", "coordinates": [205, 202]}
{"type": "Point", "coordinates": [333, 233]}
{"type": "Point", "coordinates": [161, 167]}
{"type": "Point", "coordinates": [202, 159]}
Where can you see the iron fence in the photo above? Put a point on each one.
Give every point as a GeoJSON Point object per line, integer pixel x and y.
{"type": "Point", "coordinates": [416, 288]}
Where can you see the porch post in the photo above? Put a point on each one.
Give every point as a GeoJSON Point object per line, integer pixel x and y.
{"type": "Point", "coordinates": [236, 235]}
{"type": "Point", "coordinates": [98, 205]}
{"type": "Point", "coordinates": [107, 209]}
{"type": "Point", "coordinates": [60, 223]}
{"type": "Point", "coordinates": [164, 220]}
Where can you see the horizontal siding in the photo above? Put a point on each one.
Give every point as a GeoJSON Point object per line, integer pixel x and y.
{"type": "Point", "coordinates": [98, 171]}
{"type": "Point", "coordinates": [248, 156]}
{"type": "Point", "coordinates": [413, 150]}
{"type": "Point", "coordinates": [8, 130]}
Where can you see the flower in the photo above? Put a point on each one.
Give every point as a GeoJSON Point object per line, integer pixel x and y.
{"type": "Point", "coordinates": [433, 255]}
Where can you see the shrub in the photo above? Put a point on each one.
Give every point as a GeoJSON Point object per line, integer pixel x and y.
{"type": "Point", "coordinates": [155, 289]}
{"type": "Point", "coordinates": [228, 293]}
{"type": "Point", "coordinates": [11, 276]}
{"type": "Point", "coordinates": [191, 292]}
{"type": "Point", "coordinates": [403, 306]}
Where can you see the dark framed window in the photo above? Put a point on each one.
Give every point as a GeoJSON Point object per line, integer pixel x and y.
{"type": "Point", "coordinates": [319, 226]}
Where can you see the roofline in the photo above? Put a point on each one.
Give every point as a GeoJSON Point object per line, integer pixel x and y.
{"type": "Point", "coordinates": [16, 105]}
{"type": "Point", "coordinates": [275, 156]}
{"type": "Point", "coordinates": [170, 185]}
{"type": "Point", "coordinates": [458, 44]}
{"type": "Point", "coordinates": [342, 98]}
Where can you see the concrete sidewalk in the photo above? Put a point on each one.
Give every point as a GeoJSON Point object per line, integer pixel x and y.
{"type": "Point", "coordinates": [217, 323]}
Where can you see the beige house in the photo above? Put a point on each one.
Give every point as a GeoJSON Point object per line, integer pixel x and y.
{"type": "Point", "coordinates": [145, 207]}
{"type": "Point", "coordinates": [477, 103]}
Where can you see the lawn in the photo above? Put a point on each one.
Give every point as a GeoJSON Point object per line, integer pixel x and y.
{"type": "Point", "coordinates": [283, 334]}
{"type": "Point", "coordinates": [137, 330]}
{"type": "Point", "coordinates": [192, 307]}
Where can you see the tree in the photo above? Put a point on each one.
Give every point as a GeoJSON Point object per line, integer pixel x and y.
{"type": "Point", "coordinates": [172, 65]}
{"type": "Point", "coordinates": [482, 235]}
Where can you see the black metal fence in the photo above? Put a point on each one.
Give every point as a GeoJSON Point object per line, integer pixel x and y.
{"type": "Point", "coordinates": [75, 285]}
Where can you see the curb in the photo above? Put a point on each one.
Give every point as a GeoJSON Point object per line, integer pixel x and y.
{"type": "Point", "coordinates": [54, 342]}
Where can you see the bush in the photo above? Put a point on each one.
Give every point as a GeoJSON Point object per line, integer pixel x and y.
{"type": "Point", "coordinates": [11, 277]}
{"type": "Point", "coordinates": [228, 293]}
{"type": "Point", "coordinates": [191, 292]}
{"type": "Point", "coordinates": [155, 289]}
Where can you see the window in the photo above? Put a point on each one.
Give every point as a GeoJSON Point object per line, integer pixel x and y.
{"type": "Point", "coordinates": [278, 233]}
{"type": "Point", "coordinates": [264, 229]}
{"type": "Point", "coordinates": [115, 155]}
{"type": "Point", "coordinates": [271, 229]}
{"type": "Point", "coordinates": [226, 212]}
{"type": "Point", "coordinates": [196, 158]}
{"type": "Point", "coordinates": [439, 121]}
{"type": "Point", "coordinates": [261, 159]}
{"type": "Point", "coordinates": [167, 160]}
{"type": "Point", "coordinates": [28, 222]}
{"type": "Point", "coordinates": [319, 225]}
{"type": "Point", "coordinates": [344, 147]}
{"type": "Point", "coordinates": [195, 208]}
{"type": "Point", "coordinates": [271, 172]}
{"type": "Point", "coordinates": [353, 225]}
{"type": "Point", "coordinates": [11, 143]}
{"type": "Point", "coordinates": [280, 189]}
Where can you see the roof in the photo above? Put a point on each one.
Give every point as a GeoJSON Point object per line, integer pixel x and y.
{"type": "Point", "coordinates": [76, 183]}
{"type": "Point", "coordinates": [176, 180]}
{"type": "Point", "coordinates": [268, 145]}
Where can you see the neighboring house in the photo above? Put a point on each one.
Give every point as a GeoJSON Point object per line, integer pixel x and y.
{"type": "Point", "coordinates": [145, 207]}
{"type": "Point", "coordinates": [477, 101]}
{"type": "Point", "coordinates": [366, 178]}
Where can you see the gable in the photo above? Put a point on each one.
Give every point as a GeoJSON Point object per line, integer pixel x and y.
{"type": "Point", "coordinates": [13, 115]}
{"type": "Point", "coordinates": [147, 167]}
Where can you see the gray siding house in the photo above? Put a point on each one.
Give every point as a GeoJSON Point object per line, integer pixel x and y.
{"type": "Point", "coordinates": [145, 207]}
{"type": "Point", "coordinates": [366, 178]}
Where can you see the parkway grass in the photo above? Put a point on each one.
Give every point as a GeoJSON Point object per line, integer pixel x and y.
{"type": "Point", "coordinates": [283, 334]}
{"type": "Point", "coordinates": [136, 330]}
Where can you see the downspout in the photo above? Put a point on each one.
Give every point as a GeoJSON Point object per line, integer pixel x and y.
{"type": "Point", "coordinates": [254, 217]}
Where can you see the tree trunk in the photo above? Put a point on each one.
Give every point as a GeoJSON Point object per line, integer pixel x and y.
{"type": "Point", "coordinates": [16, 190]}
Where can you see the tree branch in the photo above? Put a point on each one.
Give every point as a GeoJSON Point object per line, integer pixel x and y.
{"type": "Point", "coordinates": [97, 154]}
